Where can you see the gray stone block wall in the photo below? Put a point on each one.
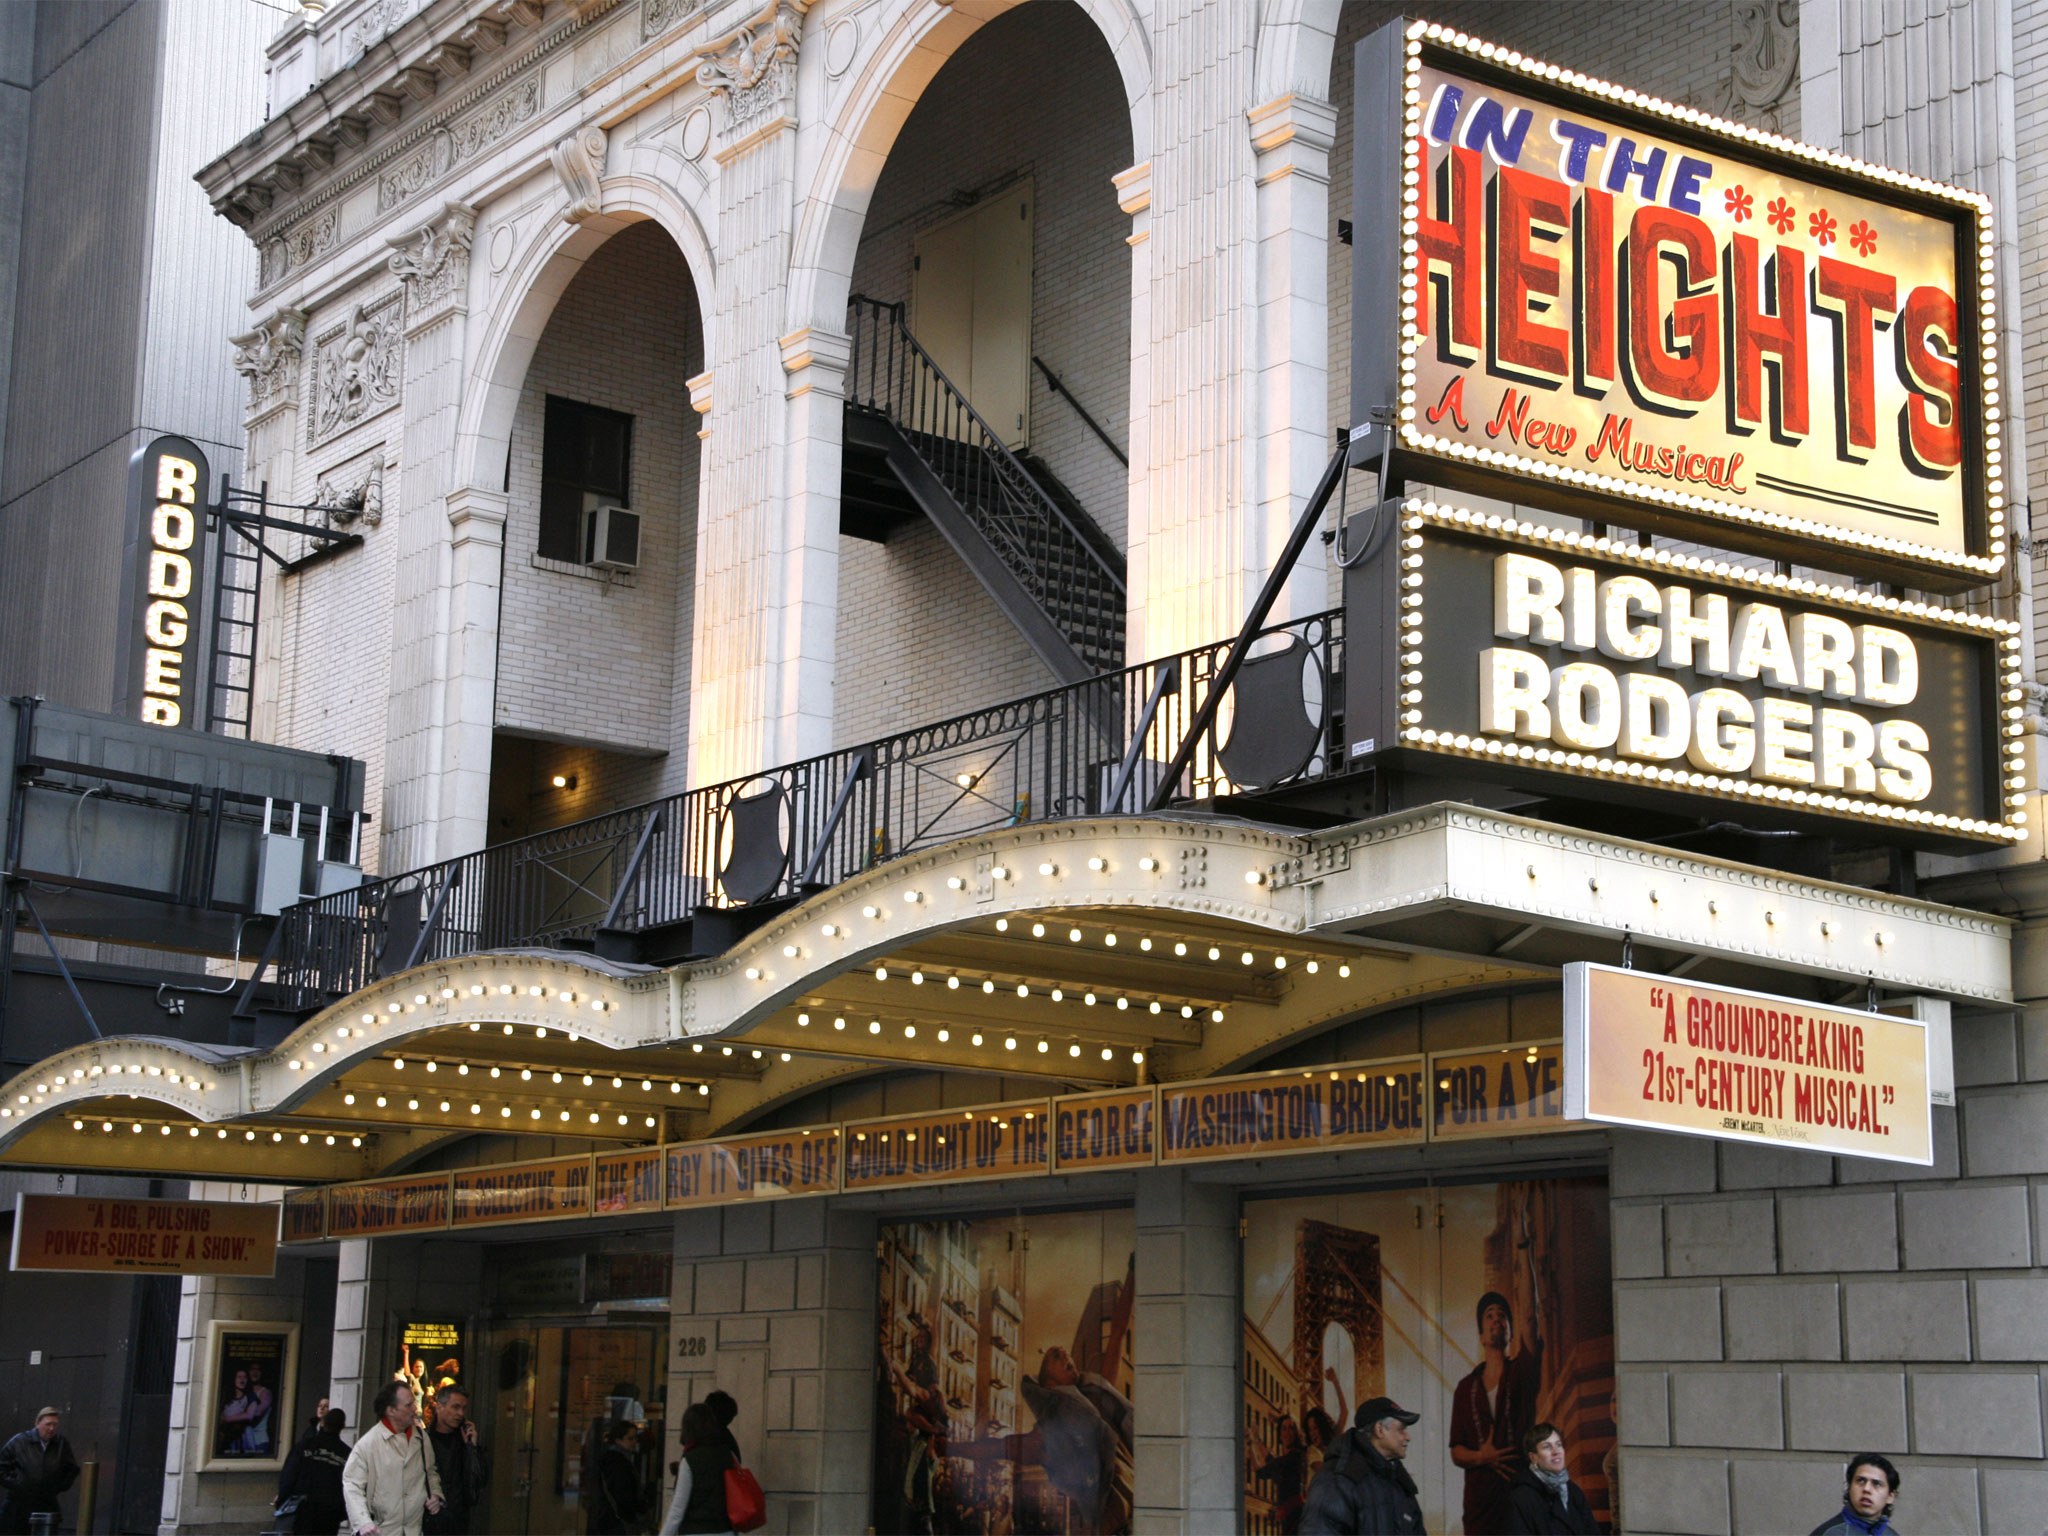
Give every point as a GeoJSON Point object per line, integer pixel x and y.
{"type": "Point", "coordinates": [1776, 1311]}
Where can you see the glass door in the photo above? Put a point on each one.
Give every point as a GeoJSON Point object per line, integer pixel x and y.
{"type": "Point", "coordinates": [554, 1388]}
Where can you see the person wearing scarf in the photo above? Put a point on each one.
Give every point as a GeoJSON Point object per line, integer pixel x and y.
{"type": "Point", "coordinates": [1543, 1500]}
{"type": "Point", "coordinates": [1870, 1492]}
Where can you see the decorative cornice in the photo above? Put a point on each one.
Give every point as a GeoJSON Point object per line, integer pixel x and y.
{"type": "Point", "coordinates": [658, 16]}
{"type": "Point", "coordinates": [342, 125]}
{"type": "Point", "coordinates": [579, 161]}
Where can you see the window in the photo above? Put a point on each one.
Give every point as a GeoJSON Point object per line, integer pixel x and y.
{"type": "Point", "coordinates": [585, 461]}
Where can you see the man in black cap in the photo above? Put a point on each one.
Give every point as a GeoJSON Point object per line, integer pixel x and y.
{"type": "Point", "coordinates": [1363, 1490]}
{"type": "Point", "coordinates": [1493, 1407]}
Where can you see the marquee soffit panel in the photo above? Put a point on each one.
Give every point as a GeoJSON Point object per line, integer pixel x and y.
{"type": "Point", "coordinates": [1086, 954]}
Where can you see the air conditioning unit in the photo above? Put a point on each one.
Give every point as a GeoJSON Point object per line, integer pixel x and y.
{"type": "Point", "coordinates": [611, 538]}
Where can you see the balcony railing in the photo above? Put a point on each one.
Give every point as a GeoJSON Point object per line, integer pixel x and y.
{"type": "Point", "coordinates": [1093, 748]}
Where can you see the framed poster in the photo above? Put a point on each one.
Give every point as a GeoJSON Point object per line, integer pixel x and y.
{"type": "Point", "coordinates": [246, 1402]}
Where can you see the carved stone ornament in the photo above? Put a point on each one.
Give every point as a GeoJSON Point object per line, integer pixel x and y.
{"type": "Point", "coordinates": [301, 243]}
{"type": "Point", "coordinates": [754, 68]}
{"type": "Point", "coordinates": [357, 369]}
{"type": "Point", "coordinates": [579, 161]}
{"type": "Point", "coordinates": [407, 178]}
{"type": "Point", "coordinates": [268, 357]}
{"type": "Point", "coordinates": [498, 117]}
{"type": "Point", "coordinates": [353, 494]}
{"type": "Point", "coordinates": [657, 16]}
{"type": "Point", "coordinates": [433, 263]}
{"type": "Point", "coordinates": [376, 21]}
{"type": "Point", "coordinates": [1766, 61]}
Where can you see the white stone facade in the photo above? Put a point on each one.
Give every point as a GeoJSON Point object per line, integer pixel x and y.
{"type": "Point", "coordinates": [663, 206]}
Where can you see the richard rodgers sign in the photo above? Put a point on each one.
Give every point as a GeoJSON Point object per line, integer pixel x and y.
{"type": "Point", "coordinates": [1554, 653]}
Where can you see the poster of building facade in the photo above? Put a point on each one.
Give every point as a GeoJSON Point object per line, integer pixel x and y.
{"type": "Point", "coordinates": [1486, 1308]}
{"type": "Point", "coordinates": [1003, 1382]}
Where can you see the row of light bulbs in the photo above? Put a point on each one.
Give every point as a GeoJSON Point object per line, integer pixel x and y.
{"type": "Point", "coordinates": [76, 1078]}
{"type": "Point", "coordinates": [505, 1111]}
{"type": "Point", "coordinates": [944, 1035]}
{"type": "Point", "coordinates": [221, 1133]}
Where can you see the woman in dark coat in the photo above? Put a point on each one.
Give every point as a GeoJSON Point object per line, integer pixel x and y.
{"type": "Point", "coordinates": [615, 1502]}
{"type": "Point", "coordinates": [698, 1506]}
{"type": "Point", "coordinates": [1543, 1500]}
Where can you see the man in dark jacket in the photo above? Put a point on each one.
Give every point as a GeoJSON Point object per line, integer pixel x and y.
{"type": "Point", "coordinates": [1543, 1500]}
{"type": "Point", "coordinates": [36, 1467]}
{"type": "Point", "coordinates": [316, 1479]}
{"type": "Point", "coordinates": [1363, 1490]}
{"type": "Point", "coordinates": [1867, 1501]}
{"type": "Point", "coordinates": [464, 1465]}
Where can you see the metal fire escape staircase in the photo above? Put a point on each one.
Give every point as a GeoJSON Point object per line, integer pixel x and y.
{"type": "Point", "coordinates": [914, 444]}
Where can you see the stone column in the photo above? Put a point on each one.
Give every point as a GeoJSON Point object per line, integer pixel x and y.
{"type": "Point", "coordinates": [775, 1303]}
{"type": "Point", "coordinates": [1200, 524]}
{"type": "Point", "coordinates": [476, 544]}
{"type": "Point", "coordinates": [815, 362]}
{"type": "Point", "coordinates": [433, 264]}
{"type": "Point", "coordinates": [271, 358]}
{"type": "Point", "coordinates": [758, 542]}
{"type": "Point", "coordinates": [1188, 1330]}
{"type": "Point", "coordinates": [1291, 136]}
{"type": "Point", "coordinates": [1134, 196]}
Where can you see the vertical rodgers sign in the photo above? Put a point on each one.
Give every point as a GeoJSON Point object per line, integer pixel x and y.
{"type": "Point", "coordinates": [1744, 1066]}
{"type": "Point", "coordinates": [167, 482]}
{"type": "Point", "coordinates": [1690, 324]}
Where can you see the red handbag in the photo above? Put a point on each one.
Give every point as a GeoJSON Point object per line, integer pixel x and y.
{"type": "Point", "coordinates": [746, 1507]}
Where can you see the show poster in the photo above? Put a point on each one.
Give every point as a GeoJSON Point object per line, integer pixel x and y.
{"type": "Point", "coordinates": [1483, 1307]}
{"type": "Point", "coordinates": [430, 1356]}
{"type": "Point", "coordinates": [251, 1365]}
{"type": "Point", "coordinates": [1003, 1383]}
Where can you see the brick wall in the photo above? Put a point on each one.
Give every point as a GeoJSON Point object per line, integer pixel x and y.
{"type": "Point", "coordinates": [1776, 1311]}
{"type": "Point", "coordinates": [1035, 93]}
{"type": "Point", "coordinates": [582, 656]}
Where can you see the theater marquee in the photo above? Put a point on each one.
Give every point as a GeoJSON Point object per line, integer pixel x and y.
{"type": "Point", "coordinates": [1559, 657]}
{"type": "Point", "coordinates": [1678, 322]}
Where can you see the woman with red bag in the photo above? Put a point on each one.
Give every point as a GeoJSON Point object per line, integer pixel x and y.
{"type": "Point", "coordinates": [698, 1506]}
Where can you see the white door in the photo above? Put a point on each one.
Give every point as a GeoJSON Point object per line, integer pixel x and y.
{"type": "Point", "coordinates": [970, 306]}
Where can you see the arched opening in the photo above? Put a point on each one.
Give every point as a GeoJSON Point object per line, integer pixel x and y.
{"type": "Point", "coordinates": [994, 239]}
{"type": "Point", "coordinates": [600, 475]}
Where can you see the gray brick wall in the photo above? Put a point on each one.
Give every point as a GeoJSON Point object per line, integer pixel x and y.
{"type": "Point", "coordinates": [1777, 1311]}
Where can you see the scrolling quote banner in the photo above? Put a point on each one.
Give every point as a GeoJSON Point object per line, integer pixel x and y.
{"type": "Point", "coordinates": [1513, 1090]}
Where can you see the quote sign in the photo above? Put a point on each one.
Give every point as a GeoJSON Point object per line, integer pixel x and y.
{"type": "Point", "coordinates": [1724, 333]}
{"type": "Point", "coordinates": [87, 1234]}
{"type": "Point", "coordinates": [1671, 1055]}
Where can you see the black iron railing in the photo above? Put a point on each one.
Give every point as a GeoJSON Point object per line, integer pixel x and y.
{"type": "Point", "coordinates": [1078, 588]}
{"type": "Point", "coordinates": [1092, 748]}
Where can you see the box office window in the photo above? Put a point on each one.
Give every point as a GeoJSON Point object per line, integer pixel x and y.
{"type": "Point", "coordinates": [586, 462]}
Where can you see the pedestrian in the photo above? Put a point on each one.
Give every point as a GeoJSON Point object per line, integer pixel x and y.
{"type": "Point", "coordinates": [464, 1465]}
{"type": "Point", "coordinates": [1871, 1490]}
{"type": "Point", "coordinates": [616, 1508]}
{"type": "Point", "coordinates": [36, 1468]}
{"type": "Point", "coordinates": [316, 1496]}
{"type": "Point", "coordinates": [288, 1474]}
{"type": "Point", "coordinates": [697, 1507]}
{"type": "Point", "coordinates": [1543, 1500]}
{"type": "Point", "coordinates": [390, 1484]}
{"type": "Point", "coordinates": [1363, 1490]}
{"type": "Point", "coordinates": [724, 1408]}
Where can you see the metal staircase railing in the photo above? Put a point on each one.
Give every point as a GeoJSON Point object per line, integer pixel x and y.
{"type": "Point", "coordinates": [1100, 747]}
{"type": "Point", "coordinates": [1078, 589]}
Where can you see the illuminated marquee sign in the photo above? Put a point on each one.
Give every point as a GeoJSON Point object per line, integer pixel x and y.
{"type": "Point", "coordinates": [776, 1166]}
{"type": "Point", "coordinates": [542, 1191]}
{"type": "Point", "coordinates": [88, 1234]}
{"type": "Point", "coordinates": [1653, 1051]}
{"type": "Point", "coordinates": [1562, 656]}
{"type": "Point", "coordinates": [167, 486]}
{"type": "Point", "coordinates": [1692, 324]}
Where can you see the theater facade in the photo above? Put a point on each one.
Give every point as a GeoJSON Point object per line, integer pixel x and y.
{"type": "Point", "coordinates": [1091, 728]}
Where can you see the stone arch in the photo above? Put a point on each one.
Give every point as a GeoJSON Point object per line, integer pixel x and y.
{"type": "Point", "coordinates": [1297, 42]}
{"type": "Point", "coordinates": [539, 275]}
{"type": "Point", "coordinates": [917, 45]}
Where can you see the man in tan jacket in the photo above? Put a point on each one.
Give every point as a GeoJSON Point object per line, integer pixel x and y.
{"type": "Point", "coordinates": [391, 1483]}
